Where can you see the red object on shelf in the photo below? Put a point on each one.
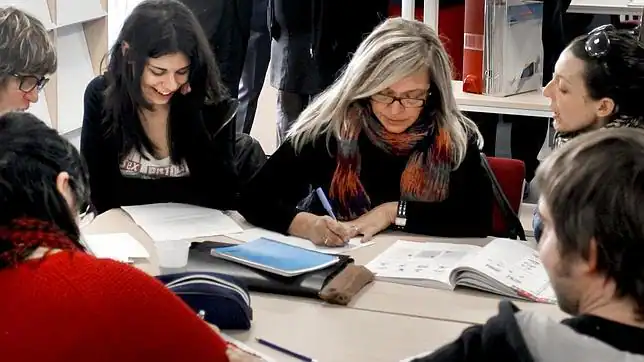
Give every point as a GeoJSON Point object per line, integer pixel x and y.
{"type": "Point", "coordinates": [473, 46]}
{"type": "Point", "coordinates": [450, 29]}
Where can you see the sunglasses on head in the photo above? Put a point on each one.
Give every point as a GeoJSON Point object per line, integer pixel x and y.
{"type": "Point", "coordinates": [598, 42]}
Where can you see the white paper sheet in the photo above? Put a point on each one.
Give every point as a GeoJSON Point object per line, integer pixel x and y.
{"type": "Point", "coordinates": [424, 354]}
{"type": "Point", "coordinates": [173, 221]}
{"type": "Point", "coordinates": [120, 246]}
{"type": "Point", "coordinates": [256, 233]}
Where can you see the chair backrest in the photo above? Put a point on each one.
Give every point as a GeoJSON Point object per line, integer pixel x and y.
{"type": "Point", "coordinates": [511, 174]}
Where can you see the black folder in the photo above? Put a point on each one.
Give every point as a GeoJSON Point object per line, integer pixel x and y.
{"type": "Point", "coordinates": [306, 285]}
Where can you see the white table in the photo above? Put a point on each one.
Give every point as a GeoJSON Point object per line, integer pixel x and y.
{"type": "Point", "coordinates": [339, 334]}
{"type": "Point", "coordinates": [524, 104]}
{"type": "Point", "coordinates": [461, 306]}
{"type": "Point", "coordinates": [604, 7]}
{"type": "Point", "coordinates": [311, 327]}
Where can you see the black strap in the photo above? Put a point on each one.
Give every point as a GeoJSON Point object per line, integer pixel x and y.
{"type": "Point", "coordinates": [512, 221]}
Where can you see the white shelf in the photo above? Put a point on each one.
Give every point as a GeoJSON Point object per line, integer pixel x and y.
{"type": "Point", "coordinates": [74, 73]}
{"type": "Point", "coordinates": [525, 104]}
{"type": "Point", "coordinates": [604, 7]}
{"type": "Point", "coordinates": [70, 12]}
{"type": "Point", "coordinates": [36, 8]}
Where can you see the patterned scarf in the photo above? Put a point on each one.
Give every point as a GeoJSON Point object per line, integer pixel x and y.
{"type": "Point", "coordinates": [560, 138]}
{"type": "Point", "coordinates": [22, 236]}
{"type": "Point", "coordinates": [425, 178]}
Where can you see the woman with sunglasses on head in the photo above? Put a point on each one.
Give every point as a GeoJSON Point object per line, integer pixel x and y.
{"type": "Point", "coordinates": [388, 146]}
{"type": "Point", "coordinates": [27, 57]}
{"type": "Point", "coordinates": [159, 125]}
{"type": "Point", "coordinates": [597, 83]}
{"type": "Point", "coordinates": [71, 305]}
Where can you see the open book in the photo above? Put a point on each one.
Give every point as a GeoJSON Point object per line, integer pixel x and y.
{"type": "Point", "coordinates": [506, 267]}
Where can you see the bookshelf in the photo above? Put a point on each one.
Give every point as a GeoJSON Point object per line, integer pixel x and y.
{"type": "Point", "coordinates": [78, 29]}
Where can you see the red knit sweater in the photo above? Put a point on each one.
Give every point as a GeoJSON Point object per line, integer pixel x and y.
{"type": "Point", "coordinates": [72, 307]}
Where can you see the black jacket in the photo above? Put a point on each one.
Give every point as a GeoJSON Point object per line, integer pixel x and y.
{"type": "Point", "coordinates": [274, 196]}
{"type": "Point", "coordinates": [227, 26]}
{"type": "Point", "coordinates": [219, 161]}
{"type": "Point", "coordinates": [314, 39]}
{"type": "Point", "coordinates": [558, 30]}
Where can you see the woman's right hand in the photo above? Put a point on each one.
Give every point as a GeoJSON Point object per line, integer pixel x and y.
{"type": "Point", "coordinates": [321, 230]}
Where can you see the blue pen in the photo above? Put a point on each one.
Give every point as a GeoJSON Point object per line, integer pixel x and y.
{"type": "Point", "coordinates": [284, 350]}
{"type": "Point", "coordinates": [325, 202]}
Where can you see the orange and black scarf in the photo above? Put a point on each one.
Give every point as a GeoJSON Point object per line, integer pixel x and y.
{"type": "Point", "coordinates": [425, 178]}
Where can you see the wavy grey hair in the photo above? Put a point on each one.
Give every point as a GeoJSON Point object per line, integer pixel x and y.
{"type": "Point", "coordinates": [396, 49]}
{"type": "Point", "coordinates": [25, 45]}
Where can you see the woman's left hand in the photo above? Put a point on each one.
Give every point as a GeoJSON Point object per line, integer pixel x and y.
{"type": "Point", "coordinates": [373, 222]}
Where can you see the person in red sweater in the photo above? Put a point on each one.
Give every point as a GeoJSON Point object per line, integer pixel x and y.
{"type": "Point", "coordinates": [58, 303]}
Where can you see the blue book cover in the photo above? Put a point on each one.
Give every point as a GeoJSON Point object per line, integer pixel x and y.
{"type": "Point", "coordinates": [276, 257]}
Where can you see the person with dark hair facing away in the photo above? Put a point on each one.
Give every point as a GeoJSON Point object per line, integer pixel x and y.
{"type": "Point", "coordinates": [597, 83]}
{"type": "Point", "coordinates": [73, 306]}
{"type": "Point", "coordinates": [27, 57]}
{"type": "Point", "coordinates": [158, 125]}
{"type": "Point", "coordinates": [592, 248]}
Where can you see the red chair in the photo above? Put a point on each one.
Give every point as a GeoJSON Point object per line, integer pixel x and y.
{"type": "Point", "coordinates": [510, 175]}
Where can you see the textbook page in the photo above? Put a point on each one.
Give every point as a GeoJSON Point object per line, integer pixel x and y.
{"type": "Point", "coordinates": [258, 233]}
{"type": "Point", "coordinates": [516, 265]}
{"type": "Point", "coordinates": [420, 261]}
{"type": "Point", "coordinates": [173, 221]}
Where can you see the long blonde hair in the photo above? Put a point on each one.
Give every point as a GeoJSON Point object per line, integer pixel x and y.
{"type": "Point", "coordinates": [395, 49]}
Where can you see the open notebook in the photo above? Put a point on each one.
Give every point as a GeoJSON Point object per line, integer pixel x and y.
{"type": "Point", "coordinates": [505, 267]}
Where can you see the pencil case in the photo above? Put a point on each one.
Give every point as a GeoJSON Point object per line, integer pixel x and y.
{"type": "Point", "coordinates": [219, 299]}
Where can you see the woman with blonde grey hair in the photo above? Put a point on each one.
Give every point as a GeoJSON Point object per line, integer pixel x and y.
{"type": "Point", "coordinates": [386, 144]}
{"type": "Point", "coordinates": [27, 56]}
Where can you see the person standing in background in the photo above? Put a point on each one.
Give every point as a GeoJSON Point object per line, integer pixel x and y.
{"type": "Point", "coordinates": [312, 40]}
{"type": "Point", "coordinates": [258, 55]}
{"type": "Point", "coordinates": [227, 27]}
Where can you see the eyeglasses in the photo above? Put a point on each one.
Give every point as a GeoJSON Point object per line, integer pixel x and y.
{"type": "Point", "coordinates": [31, 82]}
{"type": "Point", "coordinates": [405, 102]}
{"type": "Point", "coordinates": [598, 43]}
{"type": "Point", "coordinates": [87, 216]}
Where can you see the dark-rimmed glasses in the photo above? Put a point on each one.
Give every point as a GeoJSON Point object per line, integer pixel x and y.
{"type": "Point", "coordinates": [598, 43]}
{"type": "Point", "coordinates": [404, 101]}
{"type": "Point", "coordinates": [31, 82]}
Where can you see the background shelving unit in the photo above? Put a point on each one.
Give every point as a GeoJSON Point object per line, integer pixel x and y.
{"type": "Point", "coordinates": [79, 31]}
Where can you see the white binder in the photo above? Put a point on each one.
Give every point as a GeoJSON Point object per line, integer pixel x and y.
{"type": "Point", "coordinates": [513, 53]}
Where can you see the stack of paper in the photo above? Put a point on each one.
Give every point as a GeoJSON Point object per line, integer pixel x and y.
{"type": "Point", "coordinates": [121, 247]}
{"type": "Point", "coordinates": [170, 221]}
{"type": "Point", "coordinates": [258, 233]}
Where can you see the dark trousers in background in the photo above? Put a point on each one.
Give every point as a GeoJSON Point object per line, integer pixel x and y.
{"type": "Point", "coordinates": [289, 107]}
{"type": "Point", "coordinates": [527, 137]}
{"type": "Point", "coordinates": [258, 55]}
